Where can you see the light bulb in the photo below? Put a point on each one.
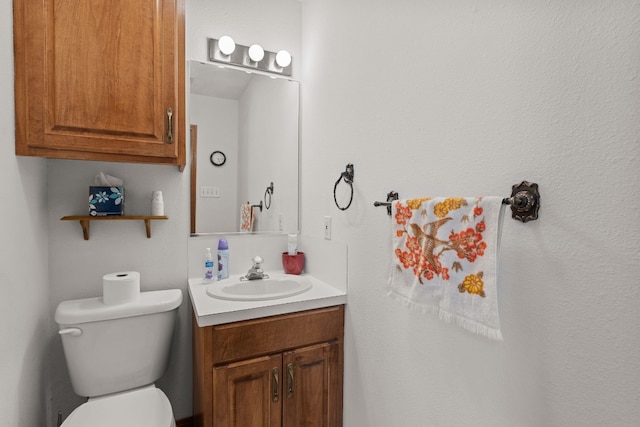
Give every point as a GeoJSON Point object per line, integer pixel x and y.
{"type": "Point", "coordinates": [226, 45]}
{"type": "Point", "coordinates": [283, 58]}
{"type": "Point", "coordinates": [256, 52]}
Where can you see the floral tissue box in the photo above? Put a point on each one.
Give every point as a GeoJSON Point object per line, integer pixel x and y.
{"type": "Point", "coordinates": [105, 201]}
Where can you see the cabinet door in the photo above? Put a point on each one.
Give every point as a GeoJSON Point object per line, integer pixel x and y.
{"type": "Point", "coordinates": [100, 79]}
{"type": "Point", "coordinates": [248, 393]}
{"type": "Point", "coordinates": [312, 387]}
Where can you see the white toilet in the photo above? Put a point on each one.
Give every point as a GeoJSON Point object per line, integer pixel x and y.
{"type": "Point", "coordinates": [115, 353]}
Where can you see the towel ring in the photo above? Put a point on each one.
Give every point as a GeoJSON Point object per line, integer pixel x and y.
{"type": "Point", "coordinates": [268, 192]}
{"type": "Point", "coordinates": [347, 175]}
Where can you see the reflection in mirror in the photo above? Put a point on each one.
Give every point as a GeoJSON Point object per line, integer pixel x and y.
{"type": "Point", "coordinates": [252, 119]}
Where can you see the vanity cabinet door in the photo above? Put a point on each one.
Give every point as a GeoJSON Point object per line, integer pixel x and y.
{"type": "Point", "coordinates": [312, 387]}
{"type": "Point", "coordinates": [299, 388]}
{"type": "Point", "coordinates": [248, 393]}
{"type": "Point", "coordinates": [100, 79]}
{"type": "Point", "coordinates": [283, 370]}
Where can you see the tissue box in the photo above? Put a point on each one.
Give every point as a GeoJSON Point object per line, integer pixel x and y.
{"type": "Point", "coordinates": [105, 201]}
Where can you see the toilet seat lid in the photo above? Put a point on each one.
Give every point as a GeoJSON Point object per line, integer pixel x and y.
{"type": "Point", "coordinates": [147, 407]}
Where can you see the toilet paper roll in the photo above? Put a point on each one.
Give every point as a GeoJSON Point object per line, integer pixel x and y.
{"type": "Point", "coordinates": [121, 287]}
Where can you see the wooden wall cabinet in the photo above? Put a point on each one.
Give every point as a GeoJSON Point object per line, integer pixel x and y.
{"type": "Point", "coordinates": [283, 370]}
{"type": "Point", "coordinates": [100, 80]}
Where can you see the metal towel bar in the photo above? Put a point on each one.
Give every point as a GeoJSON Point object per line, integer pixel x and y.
{"type": "Point", "coordinates": [524, 201]}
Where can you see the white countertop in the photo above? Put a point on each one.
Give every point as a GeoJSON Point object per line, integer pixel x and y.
{"type": "Point", "coordinates": [212, 311]}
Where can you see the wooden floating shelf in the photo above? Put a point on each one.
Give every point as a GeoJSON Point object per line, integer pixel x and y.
{"type": "Point", "coordinates": [86, 220]}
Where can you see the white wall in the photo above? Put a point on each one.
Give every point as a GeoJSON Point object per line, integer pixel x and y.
{"type": "Point", "coordinates": [77, 266]}
{"type": "Point", "coordinates": [217, 121]}
{"type": "Point", "coordinates": [467, 98]}
{"type": "Point", "coordinates": [24, 281]}
{"type": "Point", "coordinates": [269, 143]}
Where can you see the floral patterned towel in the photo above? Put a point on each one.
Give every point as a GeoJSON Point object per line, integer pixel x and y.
{"type": "Point", "coordinates": [445, 259]}
{"type": "Point", "coordinates": [246, 217]}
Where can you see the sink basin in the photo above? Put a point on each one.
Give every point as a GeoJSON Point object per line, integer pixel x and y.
{"type": "Point", "coordinates": [275, 287]}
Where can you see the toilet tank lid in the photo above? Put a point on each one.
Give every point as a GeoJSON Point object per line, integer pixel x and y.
{"type": "Point", "coordinates": [94, 310]}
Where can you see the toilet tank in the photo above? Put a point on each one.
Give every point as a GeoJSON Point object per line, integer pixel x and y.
{"type": "Point", "coordinates": [112, 348]}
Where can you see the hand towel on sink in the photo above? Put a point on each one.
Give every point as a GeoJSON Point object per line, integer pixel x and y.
{"type": "Point", "coordinates": [246, 217]}
{"type": "Point", "coordinates": [445, 259]}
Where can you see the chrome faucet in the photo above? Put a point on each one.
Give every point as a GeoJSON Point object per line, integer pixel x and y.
{"type": "Point", "coordinates": [255, 272]}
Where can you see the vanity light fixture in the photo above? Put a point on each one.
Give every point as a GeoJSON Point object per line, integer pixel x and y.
{"type": "Point", "coordinates": [226, 45]}
{"type": "Point", "coordinates": [283, 58]}
{"type": "Point", "coordinates": [256, 52]}
{"type": "Point", "coordinates": [226, 51]}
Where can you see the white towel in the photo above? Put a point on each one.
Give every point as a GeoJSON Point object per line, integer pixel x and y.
{"type": "Point", "coordinates": [445, 253]}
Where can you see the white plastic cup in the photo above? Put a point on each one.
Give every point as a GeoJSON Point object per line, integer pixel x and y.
{"type": "Point", "coordinates": [157, 203]}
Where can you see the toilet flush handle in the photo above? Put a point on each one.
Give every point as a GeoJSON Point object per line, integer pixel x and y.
{"type": "Point", "coordinates": [74, 332]}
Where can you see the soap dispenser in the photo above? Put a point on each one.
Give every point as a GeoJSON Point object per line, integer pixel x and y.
{"type": "Point", "coordinates": [207, 276]}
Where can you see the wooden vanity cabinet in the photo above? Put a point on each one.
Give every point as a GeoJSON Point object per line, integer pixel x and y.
{"type": "Point", "coordinates": [100, 80]}
{"type": "Point", "coordinates": [277, 371]}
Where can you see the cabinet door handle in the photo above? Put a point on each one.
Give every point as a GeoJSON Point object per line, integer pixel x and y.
{"type": "Point", "coordinates": [169, 125]}
{"type": "Point", "coordinates": [290, 380]}
{"type": "Point", "coordinates": [275, 386]}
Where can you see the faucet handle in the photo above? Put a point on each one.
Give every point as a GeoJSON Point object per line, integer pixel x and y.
{"type": "Point", "coordinates": [257, 262]}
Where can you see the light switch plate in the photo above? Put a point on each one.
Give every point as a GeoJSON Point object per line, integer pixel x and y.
{"type": "Point", "coordinates": [208, 192]}
{"type": "Point", "coordinates": [327, 227]}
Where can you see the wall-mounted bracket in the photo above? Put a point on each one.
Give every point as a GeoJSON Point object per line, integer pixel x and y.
{"type": "Point", "coordinates": [391, 196]}
{"type": "Point", "coordinates": [259, 206]}
{"type": "Point", "coordinates": [524, 201]}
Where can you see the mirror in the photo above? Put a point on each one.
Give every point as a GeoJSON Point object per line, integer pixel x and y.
{"type": "Point", "coordinates": [244, 141]}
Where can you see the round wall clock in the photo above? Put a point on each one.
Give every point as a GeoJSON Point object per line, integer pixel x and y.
{"type": "Point", "coordinates": [218, 158]}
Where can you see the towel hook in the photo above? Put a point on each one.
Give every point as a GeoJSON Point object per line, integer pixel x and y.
{"type": "Point", "coordinates": [348, 176]}
{"type": "Point", "coordinates": [268, 192]}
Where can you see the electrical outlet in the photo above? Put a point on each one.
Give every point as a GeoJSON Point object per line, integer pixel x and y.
{"type": "Point", "coordinates": [327, 227]}
{"type": "Point", "coordinates": [280, 222]}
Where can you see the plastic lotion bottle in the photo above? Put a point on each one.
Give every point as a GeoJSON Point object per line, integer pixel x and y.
{"type": "Point", "coordinates": [223, 259]}
{"type": "Point", "coordinates": [292, 244]}
{"type": "Point", "coordinates": [207, 277]}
